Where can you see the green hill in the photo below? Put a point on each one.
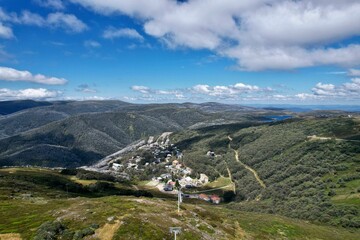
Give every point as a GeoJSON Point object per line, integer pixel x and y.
{"type": "Point", "coordinates": [82, 139]}
{"type": "Point", "coordinates": [43, 204]}
{"type": "Point", "coordinates": [281, 169]}
{"type": "Point", "coordinates": [27, 115]}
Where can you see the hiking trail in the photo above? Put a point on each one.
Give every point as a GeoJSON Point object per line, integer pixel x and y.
{"type": "Point", "coordinates": [256, 175]}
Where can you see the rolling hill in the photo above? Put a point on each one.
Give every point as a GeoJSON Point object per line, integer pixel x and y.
{"type": "Point", "coordinates": [62, 136]}
{"type": "Point", "coordinates": [305, 168]}
{"type": "Point", "coordinates": [23, 116]}
{"type": "Point", "coordinates": [44, 204]}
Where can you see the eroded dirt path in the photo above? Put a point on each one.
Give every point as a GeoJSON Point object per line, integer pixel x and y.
{"type": "Point", "coordinates": [231, 179]}
{"type": "Point", "coordinates": [108, 231]}
{"type": "Point", "coordinates": [256, 175]}
{"type": "Point", "coordinates": [314, 137]}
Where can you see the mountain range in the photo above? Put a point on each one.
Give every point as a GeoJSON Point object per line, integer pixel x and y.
{"type": "Point", "coordinates": [76, 133]}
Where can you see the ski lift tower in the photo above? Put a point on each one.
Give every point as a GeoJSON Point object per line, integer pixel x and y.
{"type": "Point", "coordinates": [179, 199]}
{"type": "Point", "coordinates": [175, 231]}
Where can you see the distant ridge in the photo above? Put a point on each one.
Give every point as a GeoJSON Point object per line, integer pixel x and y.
{"type": "Point", "coordinates": [307, 108]}
{"type": "Point", "coordinates": [8, 107]}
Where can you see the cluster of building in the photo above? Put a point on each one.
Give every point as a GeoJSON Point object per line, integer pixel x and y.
{"type": "Point", "coordinates": [187, 183]}
{"type": "Point", "coordinates": [159, 152]}
{"type": "Point", "coordinates": [213, 198]}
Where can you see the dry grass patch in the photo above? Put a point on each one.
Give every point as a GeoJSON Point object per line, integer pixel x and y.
{"type": "Point", "coordinates": [10, 236]}
{"type": "Point", "coordinates": [108, 231]}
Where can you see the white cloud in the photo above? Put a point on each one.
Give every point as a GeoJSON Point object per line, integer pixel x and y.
{"type": "Point", "coordinates": [336, 73]}
{"type": "Point", "coordinates": [87, 98]}
{"type": "Point", "coordinates": [85, 88]}
{"type": "Point", "coordinates": [140, 8]}
{"type": "Point", "coordinates": [201, 88]}
{"type": "Point", "coordinates": [92, 44]}
{"type": "Point", "coordinates": [5, 32]}
{"type": "Point", "coordinates": [346, 91]}
{"type": "Point", "coordinates": [324, 89]}
{"type": "Point", "coordinates": [54, 4]}
{"type": "Point", "coordinates": [167, 92]}
{"type": "Point", "coordinates": [112, 33]}
{"type": "Point", "coordinates": [354, 72]}
{"type": "Point", "coordinates": [243, 87]}
{"type": "Point", "coordinates": [29, 93]}
{"type": "Point", "coordinates": [353, 87]}
{"type": "Point", "coordinates": [284, 58]}
{"type": "Point", "coordinates": [4, 16]}
{"type": "Point", "coordinates": [258, 34]}
{"type": "Point", "coordinates": [240, 92]}
{"type": "Point", "coordinates": [147, 90]}
{"type": "Point", "coordinates": [13, 75]}
{"type": "Point", "coordinates": [206, 91]}
{"type": "Point", "coordinates": [141, 89]}
{"type": "Point", "coordinates": [68, 22]}
{"type": "Point", "coordinates": [225, 91]}
{"type": "Point", "coordinates": [30, 18]}
{"type": "Point", "coordinates": [306, 96]}
{"type": "Point", "coordinates": [301, 23]}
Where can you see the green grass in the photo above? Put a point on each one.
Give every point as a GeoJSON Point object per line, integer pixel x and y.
{"type": "Point", "coordinates": [219, 182]}
{"type": "Point", "coordinates": [18, 216]}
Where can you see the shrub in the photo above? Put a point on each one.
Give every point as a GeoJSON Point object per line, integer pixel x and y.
{"type": "Point", "coordinates": [49, 230]}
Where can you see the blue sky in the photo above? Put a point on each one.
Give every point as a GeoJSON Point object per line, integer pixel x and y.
{"type": "Point", "coordinates": [249, 51]}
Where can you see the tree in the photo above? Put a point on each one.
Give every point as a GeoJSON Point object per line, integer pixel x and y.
{"type": "Point", "coordinates": [229, 196]}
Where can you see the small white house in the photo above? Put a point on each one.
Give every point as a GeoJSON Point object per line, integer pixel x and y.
{"type": "Point", "coordinates": [117, 166]}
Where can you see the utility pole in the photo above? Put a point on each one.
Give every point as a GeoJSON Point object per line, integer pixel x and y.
{"type": "Point", "coordinates": [175, 230]}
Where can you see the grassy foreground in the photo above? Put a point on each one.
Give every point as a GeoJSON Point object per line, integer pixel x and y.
{"type": "Point", "coordinates": [26, 204]}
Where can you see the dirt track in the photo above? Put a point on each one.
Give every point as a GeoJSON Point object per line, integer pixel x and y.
{"type": "Point", "coordinates": [256, 175]}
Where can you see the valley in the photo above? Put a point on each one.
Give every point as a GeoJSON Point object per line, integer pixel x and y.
{"type": "Point", "coordinates": [179, 119]}
{"type": "Point", "coordinates": [105, 172]}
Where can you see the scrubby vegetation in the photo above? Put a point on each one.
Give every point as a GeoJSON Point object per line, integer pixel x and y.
{"type": "Point", "coordinates": [305, 177]}
{"type": "Point", "coordinates": [49, 213]}
{"type": "Point", "coordinates": [83, 138]}
{"type": "Point", "coordinates": [306, 168]}
{"type": "Point", "coordinates": [19, 181]}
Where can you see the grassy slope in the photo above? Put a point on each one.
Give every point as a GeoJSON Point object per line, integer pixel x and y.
{"type": "Point", "coordinates": [140, 217]}
{"type": "Point", "coordinates": [299, 173]}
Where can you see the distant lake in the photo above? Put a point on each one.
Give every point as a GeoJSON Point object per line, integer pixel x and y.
{"type": "Point", "coordinates": [277, 118]}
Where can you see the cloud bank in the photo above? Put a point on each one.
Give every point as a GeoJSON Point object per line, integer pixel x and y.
{"type": "Point", "coordinates": [68, 22]}
{"type": "Point", "coordinates": [240, 92]}
{"type": "Point", "coordinates": [257, 34]}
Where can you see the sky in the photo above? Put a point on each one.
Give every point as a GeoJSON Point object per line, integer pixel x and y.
{"type": "Point", "coordinates": [146, 51]}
